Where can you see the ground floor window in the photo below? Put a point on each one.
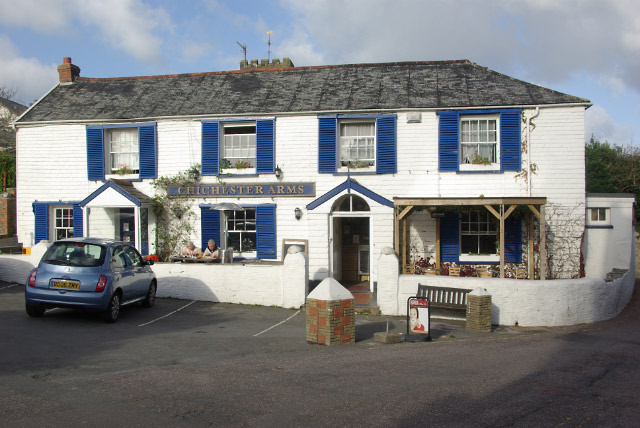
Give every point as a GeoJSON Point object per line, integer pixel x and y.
{"type": "Point", "coordinates": [63, 223]}
{"type": "Point", "coordinates": [241, 230]}
{"type": "Point", "coordinates": [478, 233]}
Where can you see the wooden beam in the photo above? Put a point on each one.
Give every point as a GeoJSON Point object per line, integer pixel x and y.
{"type": "Point", "coordinates": [501, 241]}
{"type": "Point", "coordinates": [531, 265]}
{"type": "Point", "coordinates": [492, 211]}
{"type": "Point", "coordinates": [438, 245]}
{"type": "Point", "coordinates": [534, 210]}
{"type": "Point", "coordinates": [543, 244]}
{"type": "Point", "coordinates": [438, 202]}
{"type": "Point", "coordinates": [405, 212]}
{"type": "Point", "coordinates": [509, 211]}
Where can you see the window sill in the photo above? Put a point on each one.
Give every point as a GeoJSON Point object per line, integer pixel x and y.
{"type": "Point", "coordinates": [487, 258]}
{"type": "Point", "coordinates": [237, 171]}
{"type": "Point", "coordinates": [122, 177]}
{"type": "Point", "coordinates": [470, 168]}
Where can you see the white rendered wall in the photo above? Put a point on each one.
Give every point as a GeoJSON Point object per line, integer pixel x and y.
{"type": "Point", "coordinates": [606, 249]}
{"type": "Point", "coordinates": [522, 302]}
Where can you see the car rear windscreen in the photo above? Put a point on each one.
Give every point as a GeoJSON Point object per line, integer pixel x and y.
{"type": "Point", "coordinates": [78, 254]}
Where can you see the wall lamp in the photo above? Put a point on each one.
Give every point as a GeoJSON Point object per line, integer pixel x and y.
{"type": "Point", "coordinates": [278, 172]}
{"type": "Point", "coordinates": [298, 213]}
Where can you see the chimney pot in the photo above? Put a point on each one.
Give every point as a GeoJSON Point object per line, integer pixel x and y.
{"type": "Point", "coordinates": [66, 60]}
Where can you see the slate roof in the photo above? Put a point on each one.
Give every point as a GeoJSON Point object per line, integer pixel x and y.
{"type": "Point", "coordinates": [388, 86]}
{"type": "Point", "coordinates": [12, 106]}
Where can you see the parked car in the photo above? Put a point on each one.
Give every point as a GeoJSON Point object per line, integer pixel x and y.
{"type": "Point", "coordinates": [90, 273]}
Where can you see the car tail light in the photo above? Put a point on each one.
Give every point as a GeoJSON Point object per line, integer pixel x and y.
{"type": "Point", "coordinates": [32, 278]}
{"type": "Point", "coordinates": [102, 282]}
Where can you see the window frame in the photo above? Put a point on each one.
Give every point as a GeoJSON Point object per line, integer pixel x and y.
{"type": "Point", "coordinates": [222, 134]}
{"type": "Point", "coordinates": [599, 222]}
{"type": "Point", "coordinates": [339, 145]}
{"type": "Point", "coordinates": [478, 257]}
{"type": "Point", "coordinates": [55, 209]}
{"type": "Point", "coordinates": [250, 253]}
{"type": "Point", "coordinates": [492, 166]}
{"type": "Point", "coordinates": [109, 153]}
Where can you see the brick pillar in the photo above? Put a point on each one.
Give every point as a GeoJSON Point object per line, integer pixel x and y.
{"type": "Point", "coordinates": [330, 314]}
{"type": "Point", "coordinates": [479, 311]}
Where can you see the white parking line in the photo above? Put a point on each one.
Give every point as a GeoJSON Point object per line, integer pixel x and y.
{"type": "Point", "coordinates": [164, 316]}
{"type": "Point", "coordinates": [274, 326]}
{"type": "Point", "coordinates": [8, 286]}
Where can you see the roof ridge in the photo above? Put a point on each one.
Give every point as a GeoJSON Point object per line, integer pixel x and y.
{"type": "Point", "coordinates": [261, 70]}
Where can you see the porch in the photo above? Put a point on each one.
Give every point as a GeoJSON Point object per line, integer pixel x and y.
{"type": "Point", "coordinates": [531, 209]}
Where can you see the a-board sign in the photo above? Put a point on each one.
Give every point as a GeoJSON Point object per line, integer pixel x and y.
{"type": "Point", "coordinates": [418, 317]}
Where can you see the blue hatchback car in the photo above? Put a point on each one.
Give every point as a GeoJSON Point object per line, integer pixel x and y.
{"type": "Point", "coordinates": [90, 273]}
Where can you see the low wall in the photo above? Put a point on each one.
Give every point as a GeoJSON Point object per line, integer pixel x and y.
{"type": "Point", "coordinates": [283, 284]}
{"type": "Point", "coordinates": [523, 302]}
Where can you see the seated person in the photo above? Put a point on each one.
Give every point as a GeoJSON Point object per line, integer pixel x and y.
{"type": "Point", "coordinates": [191, 251]}
{"type": "Point", "coordinates": [212, 249]}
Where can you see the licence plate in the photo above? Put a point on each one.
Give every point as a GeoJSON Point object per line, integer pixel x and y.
{"type": "Point", "coordinates": [69, 285]}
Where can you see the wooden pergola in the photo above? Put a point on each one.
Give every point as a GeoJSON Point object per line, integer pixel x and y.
{"type": "Point", "coordinates": [501, 208]}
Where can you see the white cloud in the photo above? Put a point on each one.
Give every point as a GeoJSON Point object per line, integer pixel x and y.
{"type": "Point", "coordinates": [28, 76]}
{"type": "Point", "coordinates": [600, 124]}
{"type": "Point", "coordinates": [131, 26]}
{"type": "Point", "coordinates": [46, 16]}
{"type": "Point", "coordinates": [192, 51]}
{"type": "Point", "coordinates": [299, 48]}
{"type": "Point", "coordinates": [548, 41]}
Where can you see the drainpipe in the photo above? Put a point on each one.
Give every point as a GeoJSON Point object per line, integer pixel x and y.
{"type": "Point", "coordinates": [533, 116]}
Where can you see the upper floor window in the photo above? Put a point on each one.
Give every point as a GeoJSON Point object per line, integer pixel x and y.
{"type": "Point", "coordinates": [357, 144]}
{"type": "Point", "coordinates": [122, 148]}
{"type": "Point", "coordinates": [598, 214]}
{"type": "Point", "coordinates": [478, 142]}
{"type": "Point", "coordinates": [239, 147]}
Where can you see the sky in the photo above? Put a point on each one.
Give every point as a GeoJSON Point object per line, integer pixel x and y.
{"type": "Point", "coordinates": [586, 48]}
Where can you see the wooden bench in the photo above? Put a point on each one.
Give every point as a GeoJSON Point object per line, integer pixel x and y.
{"type": "Point", "coordinates": [444, 297]}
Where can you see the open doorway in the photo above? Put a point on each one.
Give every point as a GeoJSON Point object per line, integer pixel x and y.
{"type": "Point", "coordinates": [351, 236]}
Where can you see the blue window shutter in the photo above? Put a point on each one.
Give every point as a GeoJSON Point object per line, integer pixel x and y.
{"type": "Point", "coordinates": [513, 240]}
{"type": "Point", "coordinates": [41, 212]}
{"type": "Point", "coordinates": [210, 226]}
{"type": "Point", "coordinates": [265, 146]}
{"type": "Point", "coordinates": [386, 144]}
{"type": "Point", "coordinates": [448, 141]}
{"type": "Point", "coordinates": [266, 231]}
{"type": "Point", "coordinates": [95, 153]}
{"type": "Point", "coordinates": [510, 151]}
{"type": "Point", "coordinates": [148, 148]}
{"type": "Point", "coordinates": [327, 144]}
{"type": "Point", "coordinates": [78, 227]}
{"type": "Point", "coordinates": [450, 238]}
{"type": "Point", "coordinates": [210, 148]}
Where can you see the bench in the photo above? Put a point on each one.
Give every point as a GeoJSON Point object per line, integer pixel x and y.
{"type": "Point", "coordinates": [444, 297]}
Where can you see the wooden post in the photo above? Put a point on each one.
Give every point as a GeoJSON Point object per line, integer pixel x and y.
{"type": "Point", "coordinates": [405, 232]}
{"type": "Point", "coordinates": [543, 243]}
{"type": "Point", "coordinates": [531, 265]}
{"type": "Point", "coordinates": [501, 240]}
{"type": "Point", "coordinates": [438, 245]}
{"type": "Point", "coordinates": [396, 231]}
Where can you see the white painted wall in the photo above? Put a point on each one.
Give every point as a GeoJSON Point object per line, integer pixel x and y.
{"type": "Point", "coordinates": [522, 302]}
{"type": "Point", "coordinates": [608, 248]}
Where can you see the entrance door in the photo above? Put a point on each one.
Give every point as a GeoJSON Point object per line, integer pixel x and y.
{"type": "Point", "coordinates": [127, 225]}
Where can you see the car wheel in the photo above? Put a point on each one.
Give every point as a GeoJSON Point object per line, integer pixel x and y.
{"type": "Point", "coordinates": [151, 296]}
{"type": "Point", "coordinates": [35, 311]}
{"type": "Point", "coordinates": [113, 310]}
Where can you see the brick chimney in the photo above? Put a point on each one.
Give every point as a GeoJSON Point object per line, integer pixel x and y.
{"type": "Point", "coordinates": [275, 63]}
{"type": "Point", "coordinates": [67, 71]}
